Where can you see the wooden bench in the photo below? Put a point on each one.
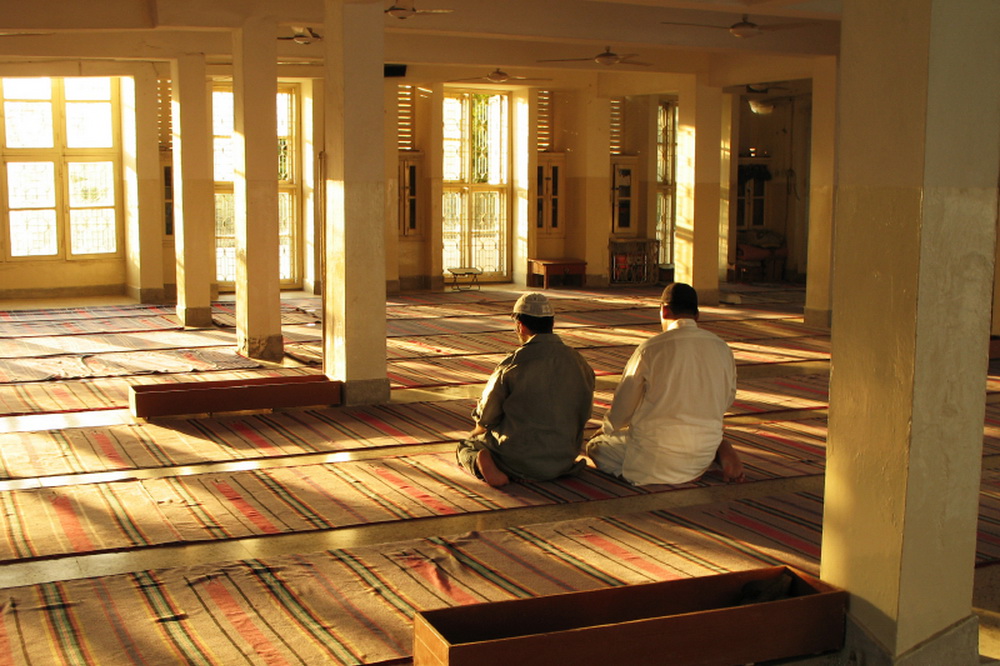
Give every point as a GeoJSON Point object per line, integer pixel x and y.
{"type": "Point", "coordinates": [560, 268]}
{"type": "Point", "coordinates": [178, 398]}
{"type": "Point", "coordinates": [705, 620]}
{"type": "Point", "coordinates": [468, 273]}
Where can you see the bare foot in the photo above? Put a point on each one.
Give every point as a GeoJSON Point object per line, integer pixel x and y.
{"type": "Point", "coordinates": [492, 474]}
{"type": "Point", "coordinates": [729, 461]}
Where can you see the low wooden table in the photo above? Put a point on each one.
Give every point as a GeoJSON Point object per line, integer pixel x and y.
{"type": "Point", "coordinates": [469, 273]}
{"type": "Point", "coordinates": [548, 268]}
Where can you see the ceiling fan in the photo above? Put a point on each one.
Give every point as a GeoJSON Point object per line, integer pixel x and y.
{"type": "Point", "coordinates": [404, 10]}
{"type": "Point", "coordinates": [744, 27]}
{"type": "Point", "coordinates": [303, 35]}
{"type": "Point", "coordinates": [497, 76]}
{"type": "Point", "coordinates": [606, 57]}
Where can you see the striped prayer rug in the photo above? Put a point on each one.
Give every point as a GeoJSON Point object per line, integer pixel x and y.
{"type": "Point", "coordinates": [178, 442]}
{"type": "Point", "coordinates": [768, 394]}
{"type": "Point", "coordinates": [126, 514]}
{"type": "Point", "coordinates": [96, 343]}
{"type": "Point", "coordinates": [118, 364]}
{"type": "Point", "coordinates": [30, 329]}
{"type": "Point", "coordinates": [85, 312]}
{"type": "Point", "coordinates": [757, 329]}
{"type": "Point", "coordinates": [350, 605]}
{"type": "Point", "coordinates": [75, 395]}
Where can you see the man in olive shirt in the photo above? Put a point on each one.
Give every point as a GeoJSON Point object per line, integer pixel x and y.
{"type": "Point", "coordinates": [529, 421]}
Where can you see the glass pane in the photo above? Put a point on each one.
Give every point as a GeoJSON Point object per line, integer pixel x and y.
{"type": "Point", "coordinates": [91, 184]}
{"type": "Point", "coordinates": [285, 259]}
{"type": "Point", "coordinates": [29, 124]}
{"type": "Point", "coordinates": [88, 125]}
{"type": "Point", "coordinates": [225, 259]}
{"type": "Point", "coordinates": [33, 233]}
{"type": "Point", "coordinates": [487, 232]}
{"type": "Point", "coordinates": [222, 112]}
{"type": "Point", "coordinates": [27, 88]}
{"type": "Point", "coordinates": [224, 166]}
{"type": "Point", "coordinates": [284, 160]}
{"type": "Point", "coordinates": [286, 213]}
{"type": "Point", "coordinates": [31, 185]}
{"type": "Point", "coordinates": [225, 218]}
{"type": "Point", "coordinates": [92, 88]}
{"type": "Point", "coordinates": [453, 212]}
{"type": "Point", "coordinates": [454, 144]}
{"type": "Point", "coordinates": [285, 113]}
{"type": "Point", "coordinates": [92, 231]}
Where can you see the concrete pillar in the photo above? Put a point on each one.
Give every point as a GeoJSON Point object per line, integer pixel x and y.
{"type": "Point", "coordinates": [918, 157]}
{"type": "Point", "coordinates": [354, 298]}
{"type": "Point", "coordinates": [255, 190]}
{"type": "Point", "coordinates": [591, 169]}
{"type": "Point", "coordinates": [819, 269]}
{"type": "Point", "coordinates": [434, 168]}
{"type": "Point", "coordinates": [194, 183]}
{"type": "Point", "coordinates": [699, 188]}
{"type": "Point", "coordinates": [143, 188]}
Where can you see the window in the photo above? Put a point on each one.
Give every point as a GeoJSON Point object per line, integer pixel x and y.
{"type": "Point", "coordinates": [60, 161]}
{"type": "Point", "coordinates": [288, 184]}
{"type": "Point", "coordinates": [666, 179]}
{"type": "Point", "coordinates": [476, 181]}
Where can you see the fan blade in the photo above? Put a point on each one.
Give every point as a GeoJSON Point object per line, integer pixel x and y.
{"type": "Point", "coordinates": [433, 11]}
{"type": "Point", "coordinates": [566, 60]}
{"type": "Point", "coordinates": [696, 25]}
{"type": "Point", "coordinates": [782, 26]}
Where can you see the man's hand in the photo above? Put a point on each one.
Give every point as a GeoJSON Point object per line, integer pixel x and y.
{"type": "Point", "coordinates": [475, 432]}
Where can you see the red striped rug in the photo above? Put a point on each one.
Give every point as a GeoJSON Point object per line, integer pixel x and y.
{"type": "Point", "coordinates": [38, 328]}
{"type": "Point", "coordinates": [107, 392]}
{"type": "Point", "coordinates": [178, 442]}
{"type": "Point", "coordinates": [119, 364]}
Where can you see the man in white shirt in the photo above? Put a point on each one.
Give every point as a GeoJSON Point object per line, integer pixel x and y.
{"type": "Point", "coordinates": [665, 423]}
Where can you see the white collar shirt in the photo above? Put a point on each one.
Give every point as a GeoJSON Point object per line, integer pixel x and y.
{"type": "Point", "coordinates": [670, 404]}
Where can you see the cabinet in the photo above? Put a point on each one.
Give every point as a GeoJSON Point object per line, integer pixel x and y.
{"type": "Point", "coordinates": [410, 167]}
{"type": "Point", "coordinates": [751, 199]}
{"type": "Point", "coordinates": [624, 194]}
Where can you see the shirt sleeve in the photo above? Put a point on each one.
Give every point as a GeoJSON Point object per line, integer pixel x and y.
{"type": "Point", "coordinates": [628, 395]}
{"type": "Point", "coordinates": [489, 410]}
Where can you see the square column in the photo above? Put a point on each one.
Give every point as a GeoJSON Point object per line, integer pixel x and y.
{"type": "Point", "coordinates": [255, 190]}
{"type": "Point", "coordinates": [143, 189]}
{"type": "Point", "coordinates": [918, 157]}
{"type": "Point", "coordinates": [699, 189]}
{"type": "Point", "coordinates": [194, 182]}
{"type": "Point", "coordinates": [819, 271]}
{"type": "Point", "coordinates": [354, 349]}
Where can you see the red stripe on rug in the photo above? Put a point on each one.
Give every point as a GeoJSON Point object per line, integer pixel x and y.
{"type": "Point", "coordinates": [774, 533]}
{"type": "Point", "coordinates": [71, 524]}
{"type": "Point", "coordinates": [108, 450]}
{"type": "Point", "coordinates": [407, 488]}
{"type": "Point", "coordinates": [627, 556]}
{"type": "Point", "coordinates": [244, 507]}
{"type": "Point", "coordinates": [244, 624]}
{"type": "Point", "coordinates": [384, 427]}
{"type": "Point", "coordinates": [431, 573]}
{"type": "Point", "coordinates": [255, 438]}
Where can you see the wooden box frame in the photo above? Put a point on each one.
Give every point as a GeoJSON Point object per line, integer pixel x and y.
{"type": "Point", "coordinates": [174, 399]}
{"type": "Point", "coordinates": [688, 621]}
